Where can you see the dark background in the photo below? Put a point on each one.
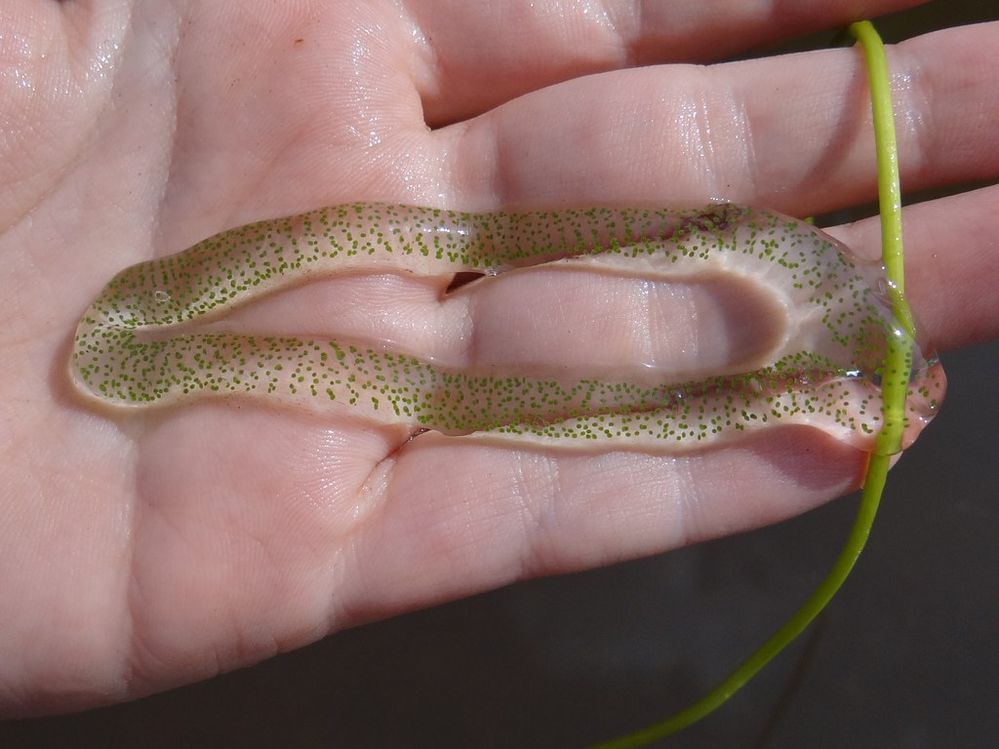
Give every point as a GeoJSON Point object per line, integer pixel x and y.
{"type": "Point", "coordinates": [906, 656]}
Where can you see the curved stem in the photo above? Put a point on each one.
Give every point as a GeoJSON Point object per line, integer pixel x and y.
{"type": "Point", "coordinates": [877, 471]}
{"type": "Point", "coordinates": [895, 380]}
{"type": "Point", "coordinates": [898, 360]}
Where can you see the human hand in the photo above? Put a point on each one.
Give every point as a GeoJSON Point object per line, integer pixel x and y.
{"type": "Point", "coordinates": [147, 552]}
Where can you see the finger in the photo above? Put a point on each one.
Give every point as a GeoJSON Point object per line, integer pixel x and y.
{"type": "Point", "coordinates": [791, 133]}
{"type": "Point", "coordinates": [459, 517]}
{"type": "Point", "coordinates": [469, 60]}
{"type": "Point", "coordinates": [952, 265]}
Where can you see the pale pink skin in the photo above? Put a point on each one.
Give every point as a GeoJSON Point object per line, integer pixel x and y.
{"type": "Point", "coordinates": [145, 553]}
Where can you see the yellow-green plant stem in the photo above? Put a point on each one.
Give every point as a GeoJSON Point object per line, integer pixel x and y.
{"type": "Point", "coordinates": [895, 381]}
{"type": "Point", "coordinates": [898, 359]}
{"type": "Point", "coordinates": [873, 485]}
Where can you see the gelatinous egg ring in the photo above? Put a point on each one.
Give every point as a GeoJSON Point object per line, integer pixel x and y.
{"type": "Point", "coordinates": [146, 341]}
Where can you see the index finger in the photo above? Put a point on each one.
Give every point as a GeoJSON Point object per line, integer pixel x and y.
{"type": "Point", "coordinates": [952, 265]}
{"type": "Point", "coordinates": [470, 57]}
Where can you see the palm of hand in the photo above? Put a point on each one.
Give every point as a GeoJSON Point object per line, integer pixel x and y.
{"type": "Point", "coordinates": [155, 551]}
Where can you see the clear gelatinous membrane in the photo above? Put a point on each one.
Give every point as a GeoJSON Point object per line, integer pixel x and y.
{"type": "Point", "coordinates": [148, 340]}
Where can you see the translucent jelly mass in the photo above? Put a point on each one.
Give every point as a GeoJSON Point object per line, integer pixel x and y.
{"type": "Point", "coordinates": [157, 334]}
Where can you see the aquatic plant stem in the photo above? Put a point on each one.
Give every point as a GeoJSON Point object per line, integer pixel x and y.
{"type": "Point", "coordinates": [898, 359]}
{"type": "Point", "coordinates": [874, 484]}
{"type": "Point", "coordinates": [895, 380]}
